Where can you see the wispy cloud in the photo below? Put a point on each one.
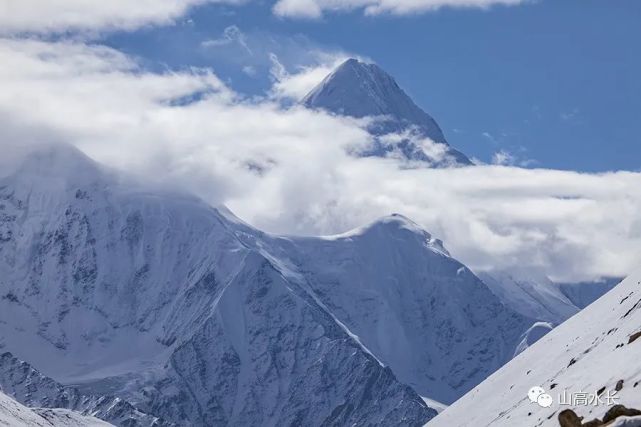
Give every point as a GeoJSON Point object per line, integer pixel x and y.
{"type": "Point", "coordinates": [503, 158]}
{"type": "Point", "coordinates": [231, 35]}
{"type": "Point", "coordinates": [297, 83]}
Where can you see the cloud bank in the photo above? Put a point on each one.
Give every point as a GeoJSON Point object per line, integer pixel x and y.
{"type": "Point", "coordinates": [44, 16]}
{"type": "Point", "coordinates": [314, 9]}
{"type": "Point", "coordinates": [288, 170]}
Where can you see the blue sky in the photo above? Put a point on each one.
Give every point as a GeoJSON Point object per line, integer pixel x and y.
{"type": "Point", "coordinates": [553, 83]}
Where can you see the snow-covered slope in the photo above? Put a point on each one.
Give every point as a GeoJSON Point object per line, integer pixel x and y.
{"type": "Point", "coordinates": [597, 350]}
{"type": "Point", "coordinates": [13, 414]}
{"type": "Point", "coordinates": [421, 312]}
{"type": "Point", "coordinates": [152, 297]}
{"type": "Point", "coordinates": [358, 89]}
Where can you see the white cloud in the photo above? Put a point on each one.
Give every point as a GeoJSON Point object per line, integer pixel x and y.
{"type": "Point", "coordinates": [313, 9]}
{"type": "Point", "coordinates": [299, 83]}
{"type": "Point", "coordinates": [287, 170]}
{"type": "Point", "coordinates": [42, 16]}
{"type": "Point", "coordinates": [503, 158]}
{"type": "Point", "coordinates": [249, 70]}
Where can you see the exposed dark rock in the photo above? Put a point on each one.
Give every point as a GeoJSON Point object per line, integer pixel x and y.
{"type": "Point", "coordinates": [569, 418]}
{"type": "Point", "coordinates": [634, 337]}
{"type": "Point", "coordinates": [619, 411]}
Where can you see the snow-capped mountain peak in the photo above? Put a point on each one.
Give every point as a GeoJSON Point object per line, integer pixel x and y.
{"type": "Point", "coordinates": [394, 226]}
{"type": "Point", "coordinates": [360, 89]}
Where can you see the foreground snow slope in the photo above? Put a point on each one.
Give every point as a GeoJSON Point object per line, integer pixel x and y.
{"type": "Point", "coordinates": [595, 349]}
{"type": "Point", "coordinates": [13, 414]}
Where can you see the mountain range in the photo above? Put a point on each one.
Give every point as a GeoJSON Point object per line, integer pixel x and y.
{"type": "Point", "coordinates": [188, 315]}
{"type": "Point", "coordinates": [144, 306]}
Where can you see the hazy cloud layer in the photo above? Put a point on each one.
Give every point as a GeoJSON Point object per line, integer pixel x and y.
{"type": "Point", "coordinates": [313, 9]}
{"type": "Point", "coordinates": [287, 169]}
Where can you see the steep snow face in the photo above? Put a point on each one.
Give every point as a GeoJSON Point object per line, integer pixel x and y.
{"type": "Point", "coordinates": [359, 90]}
{"type": "Point", "coordinates": [421, 312]}
{"type": "Point", "coordinates": [596, 350]}
{"type": "Point", "coordinates": [95, 274]}
{"type": "Point", "coordinates": [14, 414]}
{"type": "Point", "coordinates": [152, 298]}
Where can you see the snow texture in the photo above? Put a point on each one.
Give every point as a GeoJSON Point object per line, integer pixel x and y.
{"type": "Point", "coordinates": [594, 351]}
{"type": "Point", "coordinates": [13, 414]}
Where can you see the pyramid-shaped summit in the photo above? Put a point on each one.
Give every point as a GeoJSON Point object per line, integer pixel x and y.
{"type": "Point", "coordinates": [359, 89]}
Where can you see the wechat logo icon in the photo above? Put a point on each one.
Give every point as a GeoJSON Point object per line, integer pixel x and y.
{"type": "Point", "coordinates": [540, 397]}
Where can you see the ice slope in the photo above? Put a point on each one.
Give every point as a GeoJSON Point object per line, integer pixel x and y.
{"type": "Point", "coordinates": [421, 312]}
{"type": "Point", "coordinates": [597, 348]}
{"type": "Point", "coordinates": [358, 89]}
{"type": "Point", "coordinates": [13, 414]}
{"type": "Point", "coordinates": [151, 297]}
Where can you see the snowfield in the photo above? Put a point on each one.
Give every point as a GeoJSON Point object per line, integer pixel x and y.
{"type": "Point", "coordinates": [594, 352]}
